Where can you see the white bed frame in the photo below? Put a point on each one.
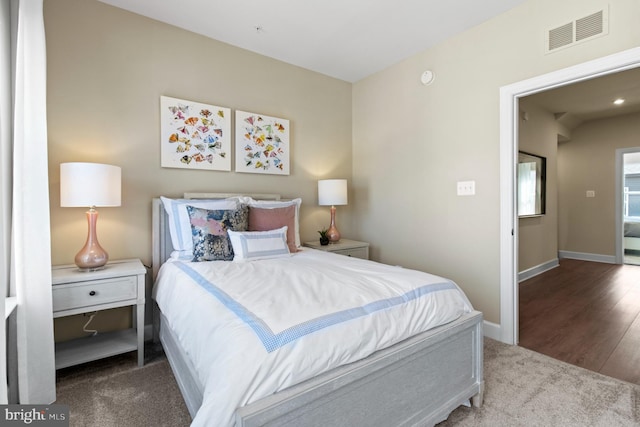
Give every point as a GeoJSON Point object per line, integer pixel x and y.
{"type": "Point", "coordinates": [416, 382]}
{"type": "Point", "coordinates": [632, 243]}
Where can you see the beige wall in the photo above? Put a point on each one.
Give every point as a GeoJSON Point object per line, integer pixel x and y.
{"type": "Point", "coordinates": [107, 69]}
{"type": "Point", "coordinates": [538, 236]}
{"type": "Point", "coordinates": [412, 143]}
{"type": "Point", "coordinates": [587, 162]}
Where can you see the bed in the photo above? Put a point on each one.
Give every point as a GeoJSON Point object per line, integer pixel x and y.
{"type": "Point", "coordinates": [632, 234]}
{"type": "Point", "coordinates": [418, 380]}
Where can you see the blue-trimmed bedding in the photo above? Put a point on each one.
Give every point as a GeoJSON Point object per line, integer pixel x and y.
{"type": "Point", "coordinates": [254, 328]}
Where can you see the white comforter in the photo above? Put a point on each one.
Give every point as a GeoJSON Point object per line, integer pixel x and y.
{"type": "Point", "coordinates": [254, 328]}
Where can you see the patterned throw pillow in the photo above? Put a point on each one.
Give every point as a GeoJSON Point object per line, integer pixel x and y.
{"type": "Point", "coordinates": [179, 226]}
{"type": "Point", "coordinates": [209, 231]}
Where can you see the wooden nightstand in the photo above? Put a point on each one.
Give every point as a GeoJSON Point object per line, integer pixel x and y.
{"type": "Point", "coordinates": [343, 247]}
{"type": "Point", "coordinates": [119, 284]}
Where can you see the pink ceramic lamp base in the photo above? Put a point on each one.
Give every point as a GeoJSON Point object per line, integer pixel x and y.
{"type": "Point", "coordinates": [92, 256]}
{"type": "Point", "coordinates": [332, 232]}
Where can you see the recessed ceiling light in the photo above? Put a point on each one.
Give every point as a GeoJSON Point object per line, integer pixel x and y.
{"type": "Point", "coordinates": [619, 101]}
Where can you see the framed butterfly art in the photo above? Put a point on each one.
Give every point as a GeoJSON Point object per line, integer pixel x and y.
{"type": "Point", "coordinates": [194, 135]}
{"type": "Point", "coordinates": [262, 144]}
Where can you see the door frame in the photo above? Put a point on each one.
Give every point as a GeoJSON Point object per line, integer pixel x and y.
{"type": "Point", "coordinates": [509, 99]}
{"type": "Point", "coordinates": [620, 152]}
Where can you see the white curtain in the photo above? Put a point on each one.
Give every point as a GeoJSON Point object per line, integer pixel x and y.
{"type": "Point", "coordinates": [5, 178]}
{"type": "Point", "coordinates": [25, 197]}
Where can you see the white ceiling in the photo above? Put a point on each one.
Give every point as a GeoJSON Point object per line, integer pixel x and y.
{"type": "Point", "coordinates": [345, 39]}
{"type": "Point", "coordinates": [593, 99]}
{"type": "Point", "coordinates": [352, 39]}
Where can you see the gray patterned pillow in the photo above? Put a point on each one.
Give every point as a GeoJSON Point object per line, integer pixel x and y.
{"type": "Point", "coordinates": [209, 231]}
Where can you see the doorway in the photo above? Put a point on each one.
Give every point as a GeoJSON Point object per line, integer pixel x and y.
{"type": "Point", "coordinates": [628, 205]}
{"type": "Point", "coordinates": [509, 99]}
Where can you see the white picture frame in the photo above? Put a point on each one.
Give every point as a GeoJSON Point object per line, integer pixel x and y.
{"type": "Point", "coordinates": [262, 144]}
{"type": "Point", "coordinates": [194, 135]}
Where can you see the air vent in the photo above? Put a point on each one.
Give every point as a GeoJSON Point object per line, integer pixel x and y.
{"type": "Point", "coordinates": [578, 31]}
{"type": "Point", "coordinates": [561, 36]}
{"type": "Point", "coordinates": [589, 26]}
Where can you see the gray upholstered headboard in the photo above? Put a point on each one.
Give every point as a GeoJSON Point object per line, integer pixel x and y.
{"type": "Point", "coordinates": [161, 246]}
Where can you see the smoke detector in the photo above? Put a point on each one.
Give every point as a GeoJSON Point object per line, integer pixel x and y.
{"type": "Point", "coordinates": [427, 77]}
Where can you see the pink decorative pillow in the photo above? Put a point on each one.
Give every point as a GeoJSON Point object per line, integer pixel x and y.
{"type": "Point", "coordinates": [265, 219]}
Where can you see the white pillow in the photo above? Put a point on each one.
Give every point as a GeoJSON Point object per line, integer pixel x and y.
{"type": "Point", "coordinates": [253, 245]}
{"type": "Point", "coordinates": [266, 204]}
{"type": "Point", "coordinates": [179, 224]}
{"type": "Point", "coordinates": [181, 255]}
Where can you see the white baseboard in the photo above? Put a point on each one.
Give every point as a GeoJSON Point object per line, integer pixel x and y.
{"type": "Point", "coordinates": [491, 330]}
{"type": "Point", "coordinates": [538, 269]}
{"type": "Point", "coordinates": [608, 259]}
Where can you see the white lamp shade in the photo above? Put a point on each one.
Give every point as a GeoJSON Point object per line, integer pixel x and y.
{"type": "Point", "coordinates": [89, 184]}
{"type": "Point", "coordinates": [332, 192]}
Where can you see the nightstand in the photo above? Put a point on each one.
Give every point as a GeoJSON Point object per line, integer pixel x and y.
{"type": "Point", "coordinates": [118, 284]}
{"type": "Point", "coordinates": [343, 247]}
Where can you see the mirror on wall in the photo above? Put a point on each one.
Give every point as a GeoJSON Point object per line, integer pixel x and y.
{"type": "Point", "coordinates": [531, 178]}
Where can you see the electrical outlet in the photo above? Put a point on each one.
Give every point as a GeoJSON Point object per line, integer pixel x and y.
{"type": "Point", "coordinates": [466, 188]}
{"type": "Point", "coordinates": [591, 193]}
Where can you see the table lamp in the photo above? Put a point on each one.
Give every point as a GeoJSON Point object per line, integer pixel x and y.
{"type": "Point", "coordinates": [332, 192]}
{"type": "Point", "coordinates": [90, 185]}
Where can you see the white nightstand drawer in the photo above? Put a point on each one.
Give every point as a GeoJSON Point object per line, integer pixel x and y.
{"type": "Point", "coordinates": [355, 252]}
{"type": "Point", "coordinates": [66, 297]}
{"type": "Point", "coordinates": [347, 247]}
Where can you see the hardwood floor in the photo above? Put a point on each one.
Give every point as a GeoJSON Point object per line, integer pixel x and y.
{"type": "Point", "coordinates": [587, 314]}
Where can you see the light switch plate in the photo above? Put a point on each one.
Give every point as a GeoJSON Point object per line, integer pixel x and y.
{"type": "Point", "coordinates": [466, 188]}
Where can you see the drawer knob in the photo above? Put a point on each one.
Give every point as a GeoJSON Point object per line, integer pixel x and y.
{"type": "Point", "coordinates": [92, 293]}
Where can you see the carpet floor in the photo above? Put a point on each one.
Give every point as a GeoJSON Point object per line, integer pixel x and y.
{"type": "Point", "coordinates": [115, 392]}
{"type": "Point", "coordinates": [522, 388]}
